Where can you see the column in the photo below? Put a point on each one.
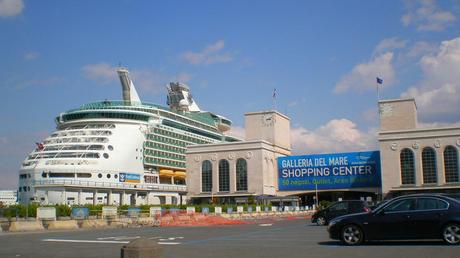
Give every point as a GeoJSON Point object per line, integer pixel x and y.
{"type": "Point", "coordinates": [147, 198]}
{"type": "Point", "coordinates": [64, 195]}
{"type": "Point", "coordinates": [94, 197]}
{"type": "Point", "coordinates": [79, 197]}
{"type": "Point", "coordinates": [135, 198]}
{"type": "Point", "coordinates": [122, 198]}
{"type": "Point", "coordinates": [109, 197]}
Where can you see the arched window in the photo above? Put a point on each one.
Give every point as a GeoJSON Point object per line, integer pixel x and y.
{"type": "Point", "coordinates": [407, 167]}
{"type": "Point", "coordinates": [429, 165]}
{"type": "Point", "coordinates": [241, 175]}
{"type": "Point", "coordinates": [206, 176]}
{"type": "Point", "coordinates": [451, 164]}
{"type": "Point", "coordinates": [224, 176]}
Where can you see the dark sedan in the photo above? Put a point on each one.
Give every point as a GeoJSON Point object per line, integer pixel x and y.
{"type": "Point", "coordinates": [420, 216]}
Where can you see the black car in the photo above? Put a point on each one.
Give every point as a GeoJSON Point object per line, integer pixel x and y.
{"type": "Point", "coordinates": [419, 216]}
{"type": "Point", "coordinates": [322, 217]}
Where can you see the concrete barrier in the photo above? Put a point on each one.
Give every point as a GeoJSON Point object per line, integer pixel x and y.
{"type": "Point", "coordinates": [21, 226]}
{"type": "Point", "coordinates": [62, 224]}
{"type": "Point", "coordinates": [97, 223]}
{"type": "Point", "coordinates": [146, 221]}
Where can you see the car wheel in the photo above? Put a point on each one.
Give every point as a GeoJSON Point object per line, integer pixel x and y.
{"type": "Point", "coordinates": [451, 234]}
{"type": "Point", "coordinates": [321, 221]}
{"type": "Point", "coordinates": [352, 235]}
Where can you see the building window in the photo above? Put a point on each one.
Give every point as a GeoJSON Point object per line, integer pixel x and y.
{"type": "Point", "coordinates": [241, 175]}
{"type": "Point", "coordinates": [407, 167]}
{"type": "Point", "coordinates": [224, 176]}
{"type": "Point", "coordinates": [429, 165]}
{"type": "Point", "coordinates": [451, 164]}
{"type": "Point", "coordinates": [206, 176]}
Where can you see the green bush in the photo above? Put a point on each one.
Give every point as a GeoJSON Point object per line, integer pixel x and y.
{"type": "Point", "coordinates": [63, 210]}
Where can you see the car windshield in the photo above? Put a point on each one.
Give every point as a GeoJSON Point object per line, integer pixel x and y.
{"type": "Point", "coordinates": [378, 205]}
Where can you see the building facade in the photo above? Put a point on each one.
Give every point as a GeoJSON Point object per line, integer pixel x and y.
{"type": "Point", "coordinates": [237, 171]}
{"type": "Point", "coordinates": [8, 197]}
{"type": "Point", "coordinates": [416, 159]}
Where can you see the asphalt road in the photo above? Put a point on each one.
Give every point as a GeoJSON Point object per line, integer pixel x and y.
{"type": "Point", "coordinates": [288, 238]}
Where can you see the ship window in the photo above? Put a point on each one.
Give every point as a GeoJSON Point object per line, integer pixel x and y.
{"type": "Point", "coordinates": [108, 175]}
{"type": "Point", "coordinates": [43, 174]}
{"type": "Point", "coordinates": [66, 175]}
{"type": "Point", "coordinates": [106, 155]}
{"type": "Point", "coordinates": [110, 147]}
{"type": "Point", "coordinates": [116, 176]}
{"type": "Point", "coordinates": [85, 175]}
{"type": "Point", "coordinates": [99, 175]}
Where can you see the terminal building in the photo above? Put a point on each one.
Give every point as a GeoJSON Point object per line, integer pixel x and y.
{"type": "Point", "coordinates": [236, 172]}
{"type": "Point", "coordinates": [261, 168]}
{"type": "Point", "coordinates": [414, 159]}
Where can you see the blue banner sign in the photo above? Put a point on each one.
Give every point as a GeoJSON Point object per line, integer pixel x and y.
{"type": "Point", "coordinates": [134, 212]}
{"type": "Point", "coordinates": [329, 171]}
{"type": "Point", "coordinates": [80, 213]}
{"type": "Point", "coordinates": [129, 178]}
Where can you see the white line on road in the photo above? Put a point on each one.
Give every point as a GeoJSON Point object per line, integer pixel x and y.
{"type": "Point", "coordinates": [168, 243]}
{"type": "Point", "coordinates": [85, 241]}
{"type": "Point", "coordinates": [265, 225]}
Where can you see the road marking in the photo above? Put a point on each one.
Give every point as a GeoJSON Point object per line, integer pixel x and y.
{"type": "Point", "coordinates": [85, 241]}
{"type": "Point", "coordinates": [265, 225]}
{"type": "Point", "coordinates": [168, 243]}
{"type": "Point", "coordinates": [119, 238]}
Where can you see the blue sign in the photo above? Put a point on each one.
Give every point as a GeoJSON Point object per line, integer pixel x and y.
{"type": "Point", "coordinates": [134, 212]}
{"type": "Point", "coordinates": [205, 210]}
{"type": "Point", "coordinates": [129, 178]}
{"type": "Point", "coordinates": [329, 171]}
{"type": "Point", "coordinates": [80, 213]}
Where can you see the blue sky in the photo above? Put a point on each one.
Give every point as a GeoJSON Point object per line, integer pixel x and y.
{"type": "Point", "coordinates": [321, 56]}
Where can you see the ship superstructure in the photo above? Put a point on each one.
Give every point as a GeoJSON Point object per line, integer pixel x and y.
{"type": "Point", "coordinates": [120, 152]}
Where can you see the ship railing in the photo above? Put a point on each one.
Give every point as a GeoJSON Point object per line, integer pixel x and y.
{"type": "Point", "coordinates": [133, 186]}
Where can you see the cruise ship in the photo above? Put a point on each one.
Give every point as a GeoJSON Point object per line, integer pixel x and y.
{"type": "Point", "coordinates": [120, 152]}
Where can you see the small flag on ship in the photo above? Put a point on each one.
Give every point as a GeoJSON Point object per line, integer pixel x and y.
{"type": "Point", "coordinates": [379, 80]}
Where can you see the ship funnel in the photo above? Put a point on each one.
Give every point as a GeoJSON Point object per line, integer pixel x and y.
{"type": "Point", "coordinates": [129, 91]}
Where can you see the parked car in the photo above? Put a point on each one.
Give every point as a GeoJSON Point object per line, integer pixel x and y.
{"type": "Point", "coordinates": [419, 216]}
{"type": "Point", "coordinates": [322, 217]}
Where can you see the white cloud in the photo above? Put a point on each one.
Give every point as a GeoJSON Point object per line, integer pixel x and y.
{"type": "Point", "coordinates": [438, 93]}
{"type": "Point", "coordinates": [389, 44]}
{"type": "Point", "coordinates": [238, 132]}
{"type": "Point", "coordinates": [337, 135]}
{"type": "Point", "coordinates": [426, 16]}
{"type": "Point", "coordinates": [9, 8]}
{"type": "Point", "coordinates": [102, 72]}
{"type": "Point", "coordinates": [363, 75]}
{"type": "Point", "coordinates": [421, 48]}
{"type": "Point", "coordinates": [209, 55]}
{"type": "Point", "coordinates": [31, 56]}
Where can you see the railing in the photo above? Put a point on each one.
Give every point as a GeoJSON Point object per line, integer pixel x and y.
{"type": "Point", "coordinates": [83, 183]}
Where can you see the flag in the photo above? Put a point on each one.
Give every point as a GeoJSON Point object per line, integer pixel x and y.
{"type": "Point", "coordinates": [274, 93]}
{"type": "Point", "coordinates": [379, 80]}
{"type": "Point", "coordinates": [40, 146]}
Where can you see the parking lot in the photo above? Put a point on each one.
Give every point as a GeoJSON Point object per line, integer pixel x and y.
{"type": "Point", "coordinates": [268, 238]}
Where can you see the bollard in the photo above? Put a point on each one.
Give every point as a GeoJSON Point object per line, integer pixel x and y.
{"type": "Point", "coordinates": [142, 248]}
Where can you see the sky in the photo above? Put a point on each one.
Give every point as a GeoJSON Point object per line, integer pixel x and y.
{"type": "Point", "coordinates": [322, 57]}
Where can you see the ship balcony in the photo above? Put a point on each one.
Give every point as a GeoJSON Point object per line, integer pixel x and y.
{"type": "Point", "coordinates": [107, 185]}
